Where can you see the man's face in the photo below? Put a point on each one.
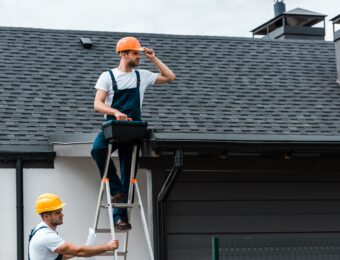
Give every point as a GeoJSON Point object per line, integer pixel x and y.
{"type": "Point", "coordinates": [55, 217]}
{"type": "Point", "coordinates": [132, 58]}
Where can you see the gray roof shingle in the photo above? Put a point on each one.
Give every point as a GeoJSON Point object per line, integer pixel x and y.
{"type": "Point", "coordinates": [224, 85]}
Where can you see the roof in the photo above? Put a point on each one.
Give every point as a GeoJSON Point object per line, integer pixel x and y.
{"type": "Point", "coordinates": [300, 11]}
{"type": "Point", "coordinates": [336, 19]}
{"type": "Point", "coordinates": [225, 85]}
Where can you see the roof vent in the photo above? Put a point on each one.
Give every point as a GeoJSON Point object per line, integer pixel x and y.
{"type": "Point", "coordinates": [86, 42]}
{"type": "Point", "coordinates": [336, 33]}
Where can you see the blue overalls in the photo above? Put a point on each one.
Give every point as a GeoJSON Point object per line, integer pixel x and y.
{"type": "Point", "coordinates": [33, 232]}
{"type": "Point", "coordinates": [126, 101]}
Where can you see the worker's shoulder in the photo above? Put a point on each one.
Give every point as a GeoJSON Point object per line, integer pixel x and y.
{"type": "Point", "coordinates": [146, 73]}
{"type": "Point", "coordinates": [41, 225]}
{"type": "Point", "coordinates": [106, 73]}
{"type": "Point", "coordinates": [43, 229]}
{"type": "Point", "coordinates": [105, 76]}
{"type": "Point", "coordinates": [143, 70]}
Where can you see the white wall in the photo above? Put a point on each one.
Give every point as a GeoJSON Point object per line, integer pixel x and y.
{"type": "Point", "coordinates": [76, 181]}
{"type": "Point", "coordinates": [8, 238]}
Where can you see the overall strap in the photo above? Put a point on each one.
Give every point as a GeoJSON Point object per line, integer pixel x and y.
{"type": "Point", "coordinates": [114, 83]}
{"type": "Point", "coordinates": [33, 231]}
{"type": "Point", "coordinates": [138, 78]}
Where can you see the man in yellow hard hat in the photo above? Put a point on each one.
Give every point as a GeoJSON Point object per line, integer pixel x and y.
{"type": "Point", "coordinates": [119, 96]}
{"type": "Point", "coordinates": [44, 241]}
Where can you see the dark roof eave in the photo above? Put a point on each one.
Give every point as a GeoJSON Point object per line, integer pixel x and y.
{"type": "Point", "coordinates": [27, 152]}
{"type": "Point", "coordinates": [264, 25]}
{"type": "Point", "coordinates": [246, 143]}
{"type": "Point", "coordinates": [335, 19]}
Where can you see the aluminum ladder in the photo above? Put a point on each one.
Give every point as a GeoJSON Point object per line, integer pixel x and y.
{"type": "Point", "coordinates": [105, 188]}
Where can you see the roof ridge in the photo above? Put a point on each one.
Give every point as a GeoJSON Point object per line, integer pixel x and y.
{"type": "Point", "coordinates": [213, 37]}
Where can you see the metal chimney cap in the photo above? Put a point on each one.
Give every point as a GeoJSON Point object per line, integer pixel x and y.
{"type": "Point", "coordinates": [86, 42]}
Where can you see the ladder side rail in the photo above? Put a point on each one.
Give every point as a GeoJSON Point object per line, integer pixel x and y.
{"type": "Point", "coordinates": [108, 158]}
{"type": "Point", "coordinates": [132, 172]}
{"type": "Point", "coordinates": [126, 240]}
{"type": "Point", "coordinates": [131, 191]}
{"type": "Point", "coordinates": [100, 197]}
{"type": "Point", "coordinates": [145, 226]}
{"type": "Point", "coordinates": [113, 233]}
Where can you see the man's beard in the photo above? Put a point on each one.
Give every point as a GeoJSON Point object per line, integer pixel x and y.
{"type": "Point", "coordinates": [133, 64]}
{"type": "Point", "coordinates": [57, 222]}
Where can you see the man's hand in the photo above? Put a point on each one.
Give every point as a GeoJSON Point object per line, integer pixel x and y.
{"type": "Point", "coordinates": [120, 116]}
{"type": "Point", "coordinates": [166, 74]}
{"type": "Point", "coordinates": [112, 245]}
{"type": "Point", "coordinates": [149, 53]}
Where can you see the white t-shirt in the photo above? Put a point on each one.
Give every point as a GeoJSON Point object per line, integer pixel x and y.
{"type": "Point", "coordinates": [44, 242]}
{"type": "Point", "coordinates": [125, 80]}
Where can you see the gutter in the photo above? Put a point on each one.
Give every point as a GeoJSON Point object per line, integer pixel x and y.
{"type": "Point", "coordinates": [34, 156]}
{"type": "Point", "coordinates": [156, 142]}
{"type": "Point", "coordinates": [161, 203]}
{"type": "Point", "coordinates": [243, 143]}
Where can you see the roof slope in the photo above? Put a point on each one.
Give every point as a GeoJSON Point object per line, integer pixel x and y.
{"type": "Point", "coordinates": [224, 85]}
{"type": "Point", "coordinates": [300, 11]}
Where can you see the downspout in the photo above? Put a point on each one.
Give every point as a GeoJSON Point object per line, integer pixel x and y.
{"type": "Point", "coordinates": [161, 203]}
{"type": "Point", "coordinates": [20, 209]}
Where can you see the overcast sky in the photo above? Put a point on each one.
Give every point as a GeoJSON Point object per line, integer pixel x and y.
{"type": "Point", "coordinates": [194, 17]}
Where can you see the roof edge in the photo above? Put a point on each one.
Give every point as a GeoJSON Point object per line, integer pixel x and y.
{"type": "Point", "coordinates": [139, 34]}
{"type": "Point", "coordinates": [77, 138]}
{"type": "Point", "coordinates": [335, 19]}
{"type": "Point", "coordinates": [25, 149]}
{"type": "Point", "coordinates": [244, 137]}
{"type": "Point", "coordinates": [246, 143]}
{"type": "Point", "coordinates": [34, 156]}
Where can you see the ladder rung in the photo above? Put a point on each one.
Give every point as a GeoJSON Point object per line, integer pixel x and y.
{"type": "Point", "coordinates": [120, 205]}
{"type": "Point", "coordinates": [123, 205]}
{"type": "Point", "coordinates": [110, 253]}
{"type": "Point", "coordinates": [107, 230]}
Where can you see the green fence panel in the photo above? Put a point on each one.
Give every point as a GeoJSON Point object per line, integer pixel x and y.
{"type": "Point", "coordinates": [215, 248]}
{"type": "Point", "coordinates": [276, 248]}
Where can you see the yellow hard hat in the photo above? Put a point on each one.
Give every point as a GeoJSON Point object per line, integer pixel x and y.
{"type": "Point", "coordinates": [48, 202]}
{"type": "Point", "coordinates": [128, 44]}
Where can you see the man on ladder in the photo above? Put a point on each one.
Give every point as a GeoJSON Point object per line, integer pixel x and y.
{"type": "Point", "coordinates": [119, 96]}
{"type": "Point", "coordinates": [44, 241]}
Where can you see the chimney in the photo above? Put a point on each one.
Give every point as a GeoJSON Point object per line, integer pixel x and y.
{"type": "Point", "coordinates": [336, 34]}
{"type": "Point", "coordinates": [279, 7]}
{"type": "Point", "coordinates": [294, 24]}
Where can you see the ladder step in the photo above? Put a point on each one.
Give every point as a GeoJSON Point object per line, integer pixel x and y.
{"type": "Point", "coordinates": [120, 205]}
{"type": "Point", "coordinates": [107, 230]}
{"type": "Point", "coordinates": [110, 253]}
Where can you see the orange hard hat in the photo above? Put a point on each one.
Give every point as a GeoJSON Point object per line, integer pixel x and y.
{"type": "Point", "coordinates": [48, 202]}
{"type": "Point", "coordinates": [128, 44]}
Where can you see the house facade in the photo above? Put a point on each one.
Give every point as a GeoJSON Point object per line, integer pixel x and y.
{"type": "Point", "coordinates": [245, 144]}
